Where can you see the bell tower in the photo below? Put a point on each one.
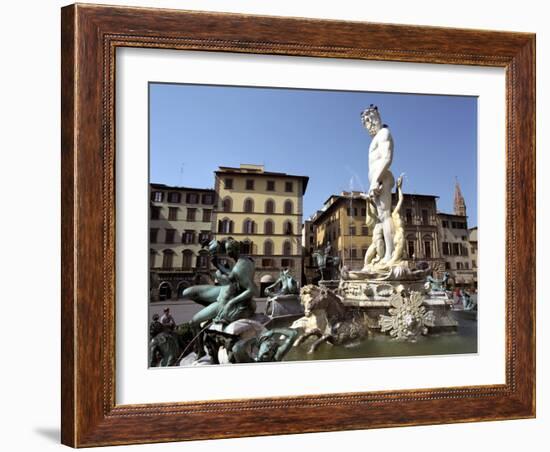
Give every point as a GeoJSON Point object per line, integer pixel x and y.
{"type": "Point", "coordinates": [459, 204]}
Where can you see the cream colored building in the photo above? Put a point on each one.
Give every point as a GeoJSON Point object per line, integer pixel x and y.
{"type": "Point", "coordinates": [263, 210]}
{"type": "Point", "coordinates": [180, 218]}
{"type": "Point", "coordinates": [455, 249]}
{"type": "Point", "coordinates": [455, 243]}
{"type": "Point", "coordinates": [342, 223]}
{"type": "Point", "coordinates": [472, 237]}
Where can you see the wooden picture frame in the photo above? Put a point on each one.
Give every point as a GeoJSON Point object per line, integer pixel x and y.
{"type": "Point", "coordinates": [90, 36]}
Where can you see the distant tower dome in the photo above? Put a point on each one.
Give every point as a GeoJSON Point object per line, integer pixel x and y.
{"type": "Point", "coordinates": [460, 204]}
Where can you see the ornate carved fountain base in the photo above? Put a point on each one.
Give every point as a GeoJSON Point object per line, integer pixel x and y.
{"type": "Point", "coordinates": [373, 296]}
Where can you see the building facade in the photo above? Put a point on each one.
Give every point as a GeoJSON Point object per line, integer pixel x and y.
{"type": "Point", "coordinates": [455, 247]}
{"type": "Point", "coordinates": [180, 218]}
{"type": "Point", "coordinates": [472, 237]}
{"type": "Point", "coordinates": [454, 237]}
{"type": "Point", "coordinates": [263, 210]}
{"type": "Point", "coordinates": [309, 270]}
{"type": "Point", "coordinates": [419, 214]}
{"type": "Point", "coordinates": [342, 222]}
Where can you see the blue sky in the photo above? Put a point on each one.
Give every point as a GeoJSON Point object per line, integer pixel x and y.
{"type": "Point", "coordinates": [196, 128]}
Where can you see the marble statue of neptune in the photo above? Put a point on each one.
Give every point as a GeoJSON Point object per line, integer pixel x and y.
{"type": "Point", "coordinates": [380, 177]}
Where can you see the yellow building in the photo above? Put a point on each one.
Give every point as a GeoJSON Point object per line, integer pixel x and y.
{"type": "Point", "coordinates": [263, 210]}
{"type": "Point", "coordinates": [342, 223]}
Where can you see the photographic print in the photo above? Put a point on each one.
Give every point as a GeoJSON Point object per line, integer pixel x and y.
{"type": "Point", "coordinates": [336, 173]}
{"type": "Point", "coordinates": [302, 224]}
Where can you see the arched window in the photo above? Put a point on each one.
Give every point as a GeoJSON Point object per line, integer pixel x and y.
{"type": "Point", "coordinates": [248, 205]}
{"type": "Point", "coordinates": [167, 259]}
{"type": "Point", "coordinates": [187, 259]}
{"type": "Point", "coordinates": [428, 247]}
{"type": "Point", "coordinates": [225, 226]}
{"type": "Point", "coordinates": [202, 259]}
{"type": "Point", "coordinates": [165, 291]}
{"type": "Point", "coordinates": [181, 287]}
{"type": "Point", "coordinates": [269, 227]}
{"type": "Point", "coordinates": [246, 247]}
{"type": "Point", "coordinates": [152, 258]}
{"type": "Point", "coordinates": [288, 207]}
{"type": "Point", "coordinates": [287, 248]}
{"type": "Point", "coordinates": [227, 204]}
{"type": "Point", "coordinates": [287, 228]}
{"type": "Point", "coordinates": [270, 206]}
{"type": "Point", "coordinates": [249, 226]}
{"type": "Point", "coordinates": [268, 248]}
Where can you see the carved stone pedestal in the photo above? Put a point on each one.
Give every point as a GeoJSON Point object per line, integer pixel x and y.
{"type": "Point", "coordinates": [373, 296]}
{"type": "Point", "coordinates": [329, 283]}
{"type": "Point", "coordinates": [284, 305]}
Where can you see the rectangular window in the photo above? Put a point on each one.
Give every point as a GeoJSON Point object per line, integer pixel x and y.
{"type": "Point", "coordinates": [191, 214]}
{"type": "Point", "coordinates": [153, 235]}
{"type": "Point", "coordinates": [170, 234]}
{"type": "Point", "coordinates": [464, 249]}
{"type": "Point", "coordinates": [456, 249]}
{"type": "Point", "coordinates": [447, 265]}
{"type": "Point", "coordinates": [287, 263]}
{"type": "Point", "coordinates": [157, 196]}
{"type": "Point", "coordinates": [364, 230]}
{"type": "Point", "coordinates": [174, 197]}
{"type": "Point", "coordinates": [428, 249]}
{"type": "Point", "coordinates": [408, 216]}
{"type": "Point", "coordinates": [445, 223]}
{"type": "Point", "coordinates": [204, 236]}
{"type": "Point", "coordinates": [208, 198]}
{"type": "Point", "coordinates": [270, 185]}
{"type": "Point", "coordinates": [466, 265]}
{"type": "Point", "coordinates": [188, 237]}
{"type": "Point", "coordinates": [268, 263]}
{"type": "Point", "coordinates": [353, 253]}
{"type": "Point", "coordinates": [459, 265]}
{"type": "Point", "coordinates": [172, 213]}
{"type": "Point", "coordinates": [474, 265]}
{"type": "Point", "coordinates": [206, 215]}
{"type": "Point", "coordinates": [155, 212]}
{"type": "Point", "coordinates": [192, 198]}
{"type": "Point", "coordinates": [363, 212]}
{"type": "Point", "coordinates": [352, 230]}
{"type": "Point", "coordinates": [228, 184]}
{"type": "Point", "coordinates": [289, 187]}
{"type": "Point", "coordinates": [425, 218]}
{"type": "Point", "coordinates": [445, 248]}
{"type": "Point", "coordinates": [249, 184]}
